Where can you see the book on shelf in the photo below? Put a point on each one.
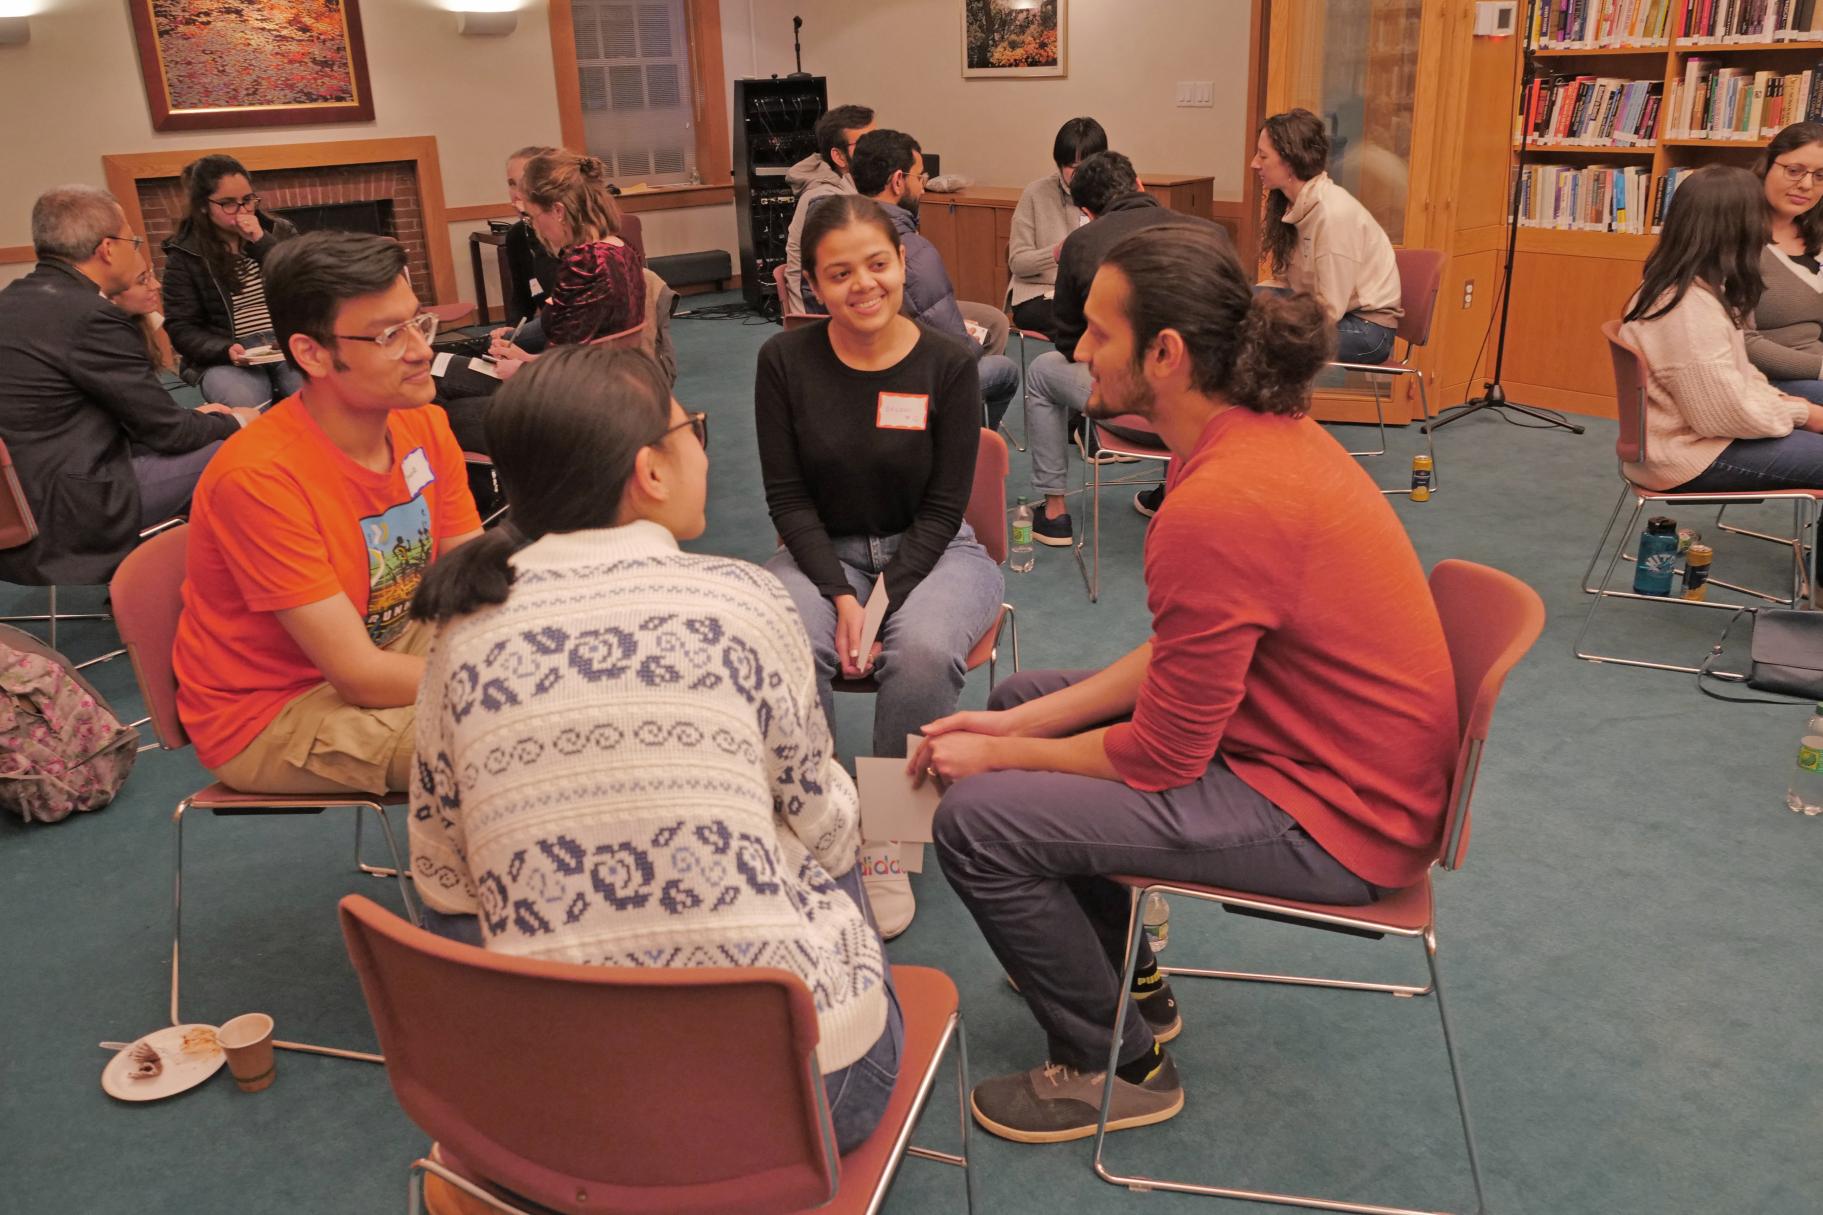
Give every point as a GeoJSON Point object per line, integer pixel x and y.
{"type": "Point", "coordinates": [1591, 198]}
{"type": "Point", "coordinates": [1731, 22]}
{"type": "Point", "coordinates": [1589, 111]}
{"type": "Point", "coordinates": [1736, 103]}
{"type": "Point", "coordinates": [1597, 24]}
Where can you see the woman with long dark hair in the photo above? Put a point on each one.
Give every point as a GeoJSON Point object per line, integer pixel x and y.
{"type": "Point", "coordinates": [868, 428]}
{"type": "Point", "coordinates": [215, 289]}
{"type": "Point", "coordinates": [1320, 239]}
{"type": "Point", "coordinates": [1785, 333]}
{"type": "Point", "coordinates": [1713, 421]}
{"type": "Point", "coordinates": [621, 756]}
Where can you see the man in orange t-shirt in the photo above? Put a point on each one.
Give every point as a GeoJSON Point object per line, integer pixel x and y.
{"type": "Point", "coordinates": [1289, 728]}
{"type": "Point", "coordinates": [297, 662]}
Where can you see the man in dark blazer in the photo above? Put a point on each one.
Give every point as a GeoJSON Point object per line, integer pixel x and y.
{"type": "Point", "coordinates": [100, 448]}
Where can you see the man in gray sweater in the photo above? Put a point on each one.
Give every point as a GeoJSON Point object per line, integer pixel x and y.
{"type": "Point", "coordinates": [816, 177]}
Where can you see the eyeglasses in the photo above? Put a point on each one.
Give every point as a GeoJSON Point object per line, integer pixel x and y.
{"type": "Point", "coordinates": [1797, 173]}
{"type": "Point", "coordinates": [234, 206]}
{"type": "Point", "coordinates": [135, 241]}
{"type": "Point", "coordinates": [698, 424]}
{"type": "Point", "coordinates": [392, 340]}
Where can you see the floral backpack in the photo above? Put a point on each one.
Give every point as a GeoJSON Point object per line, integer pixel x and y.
{"type": "Point", "coordinates": [62, 748]}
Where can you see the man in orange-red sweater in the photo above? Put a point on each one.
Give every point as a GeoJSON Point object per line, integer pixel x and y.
{"type": "Point", "coordinates": [1289, 727]}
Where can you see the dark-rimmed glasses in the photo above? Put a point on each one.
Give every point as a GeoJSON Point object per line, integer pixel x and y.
{"type": "Point", "coordinates": [698, 424]}
{"type": "Point", "coordinates": [234, 206]}
{"type": "Point", "coordinates": [1797, 173]}
{"type": "Point", "coordinates": [135, 241]}
{"type": "Point", "coordinates": [391, 340]}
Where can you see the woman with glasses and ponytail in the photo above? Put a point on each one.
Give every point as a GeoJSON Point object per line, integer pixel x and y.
{"type": "Point", "coordinates": [216, 313]}
{"type": "Point", "coordinates": [1785, 333]}
{"type": "Point", "coordinates": [622, 756]}
{"type": "Point", "coordinates": [1714, 423]}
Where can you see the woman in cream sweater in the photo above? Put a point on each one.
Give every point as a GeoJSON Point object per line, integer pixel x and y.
{"type": "Point", "coordinates": [1044, 216]}
{"type": "Point", "coordinates": [1713, 421]}
{"type": "Point", "coordinates": [1785, 333]}
{"type": "Point", "coordinates": [621, 756]}
{"type": "Point", "coordinates": [1321, 239]}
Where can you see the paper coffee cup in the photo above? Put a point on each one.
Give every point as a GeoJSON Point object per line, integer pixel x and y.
{"type": "Point", "coordinates": [247, 1041]}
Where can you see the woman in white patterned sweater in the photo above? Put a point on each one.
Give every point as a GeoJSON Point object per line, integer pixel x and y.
{"type": "Point", "coordinates": [622, 759]}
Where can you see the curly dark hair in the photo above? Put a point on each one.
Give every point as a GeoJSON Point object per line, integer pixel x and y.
{"type": "Point", "coordinates": [1302, 142]}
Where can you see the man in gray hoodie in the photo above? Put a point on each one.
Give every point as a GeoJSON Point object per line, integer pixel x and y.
{"type": "Point", "coordinates": [816, 177]}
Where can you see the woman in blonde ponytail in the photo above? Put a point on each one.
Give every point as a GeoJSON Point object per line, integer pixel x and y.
{"type": "Point", "coordinates": [600, 288]}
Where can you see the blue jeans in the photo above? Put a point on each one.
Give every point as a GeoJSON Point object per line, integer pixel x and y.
{"type": "Point", "coordinates": [858, 1094]}
{"type": "Point", "coordinates": [926, 639]}
{"type": "Point", "coordinates": [1055, 388]}
{"type": "Point", "coordinates": [1029, 853]}
{"type": "Point", "coordinates": [1359, 341]}
{"type": "Point", "coordinates": [248, 386]}
{"type": "Point", "coordinates": [166, 482]}
{"type": "Point", "coordinates": [999, 381]}
{"type": "Point", "coordinates": [1793, 461]}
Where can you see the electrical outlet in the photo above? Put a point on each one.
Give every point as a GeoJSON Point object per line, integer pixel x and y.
{"type": "Point", "coordinates": [1468, 293]}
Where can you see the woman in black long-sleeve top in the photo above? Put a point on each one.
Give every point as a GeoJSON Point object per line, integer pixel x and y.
{"type": "Point", "coordinates": [868, 427]}
{"type": "Point", "coordinates": [215, 287]}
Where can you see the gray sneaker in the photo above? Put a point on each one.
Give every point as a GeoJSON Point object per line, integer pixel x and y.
{"type": "Point", "coordinates": [1053, 1102]}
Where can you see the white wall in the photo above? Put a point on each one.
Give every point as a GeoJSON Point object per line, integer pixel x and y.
{"type": "Point", "coordinates": [904, 58]}
{"type": "Point", "coordinates": [74, 94]}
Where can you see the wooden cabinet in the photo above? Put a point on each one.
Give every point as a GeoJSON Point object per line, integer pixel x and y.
{"type": "Point", "coordinates": [971, 228]}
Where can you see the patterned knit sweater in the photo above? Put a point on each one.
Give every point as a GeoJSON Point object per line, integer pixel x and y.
{"type": "Point", "coordinates": [626, 764]}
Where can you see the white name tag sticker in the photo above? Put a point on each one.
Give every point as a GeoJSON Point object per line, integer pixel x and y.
{"type": "Point", "coordinates": [903, 411]}
{"type": "Point", "coordinates": [416, 467]}
{"type": "Point", "coordinates": [536, 289]}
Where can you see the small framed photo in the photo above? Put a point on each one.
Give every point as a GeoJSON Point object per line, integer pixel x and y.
{"type": "Point", "coordinates": [270, 63]}
{"type": "Point", "coordinates": [1014, 38]}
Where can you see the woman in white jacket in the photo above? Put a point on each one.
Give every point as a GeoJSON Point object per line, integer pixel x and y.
{"type": "Point", "coordinates": [1713, 421]}
{"type": "Point", "coordinates": [1044, 216]}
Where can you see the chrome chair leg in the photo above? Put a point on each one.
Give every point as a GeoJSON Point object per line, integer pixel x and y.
{"type": "Point", "coordinates": [399, 869]}
{"type": "Point", "coordinates": [1449, 1047]}
{"type": "Point", "coordinates": [1600, 545]}
{"type": "Point", "coordinates": [1380, 417]}
{"type": "Point", "coordinates": [379, 871]}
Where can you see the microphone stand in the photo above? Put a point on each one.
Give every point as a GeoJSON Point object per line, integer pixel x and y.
{"type": "Point", "coordinates": [797, 49]}
{"type": "Point", "coordinates": [1493, 396]}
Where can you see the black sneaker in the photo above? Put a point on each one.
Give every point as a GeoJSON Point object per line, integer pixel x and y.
{"type": "Point", "coordinates": [1147, 501]}
{"type": "Point", "coordinates": [1053, 1103]}
{"type": "Point", "coordinates": [1052, 531]}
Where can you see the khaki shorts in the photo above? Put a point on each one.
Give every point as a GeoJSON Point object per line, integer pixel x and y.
{"type": "Point", "coordinates": [319, 743]}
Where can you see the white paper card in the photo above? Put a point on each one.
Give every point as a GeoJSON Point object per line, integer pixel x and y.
{"type": "Point", "coordinates": [890, 808]}
{"type": "Point", "coordinates": [440, 364]}
{"type": "Point", "coordinates": [416, 468]}
{"type": "Point", "coordinates": [871, 616]}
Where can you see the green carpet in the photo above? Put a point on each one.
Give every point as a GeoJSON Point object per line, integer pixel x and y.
{"type": "Point", "coordinates": [1631, 952]}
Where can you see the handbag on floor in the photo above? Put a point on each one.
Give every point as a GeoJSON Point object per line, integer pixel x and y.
{"type": "Point", "coordinates": [1785, 657]}
{"type": "Point", "coordinates": [62, 749]}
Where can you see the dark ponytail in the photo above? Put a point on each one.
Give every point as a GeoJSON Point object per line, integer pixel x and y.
{"type": "Point", "coordinates": [1259, 351]}
{"type": "Point", "coordinates": [563, 433]}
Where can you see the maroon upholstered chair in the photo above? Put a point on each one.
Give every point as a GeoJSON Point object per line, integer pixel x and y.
{"type": "Point", "coordinates": [986, 513]}
{"type": "Point", "coordinates": [555, 1087]}
{"type": "Point", "coordinates": [1420, 277]}
{"type": "Point", "coordinates": [1631, 375]}
{"type": "Point", "coordinates": [1490, 619]}
{"type": "Point", "coordinates": [791, 320]}
{"type": "Point", "coordinates": [147, 594]}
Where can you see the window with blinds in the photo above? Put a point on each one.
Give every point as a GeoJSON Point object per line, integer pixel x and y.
{"type": "Point", "coordinates": [633, 61]}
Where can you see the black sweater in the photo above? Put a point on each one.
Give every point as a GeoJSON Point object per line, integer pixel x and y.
{"type": "Point", "coordinates": [831, 470]}
{"type": "Point", "coordinates": [1086, 248]}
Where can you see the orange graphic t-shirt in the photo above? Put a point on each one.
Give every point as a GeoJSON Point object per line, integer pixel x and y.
{"type": "Point", "coordinates": [282, 518]}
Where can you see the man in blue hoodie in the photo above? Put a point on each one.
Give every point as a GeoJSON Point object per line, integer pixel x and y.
{"type": "Point", "coordinates": [888, 167]}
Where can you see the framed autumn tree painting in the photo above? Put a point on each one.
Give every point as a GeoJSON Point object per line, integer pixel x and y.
{"type": "Point", "coordinates": [252, 63]}
{"type": "Point", "coordinates": [1013, 38]}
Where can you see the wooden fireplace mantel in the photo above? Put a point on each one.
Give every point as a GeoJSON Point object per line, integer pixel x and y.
{"type": "Point", "coordinates": [126, 170]}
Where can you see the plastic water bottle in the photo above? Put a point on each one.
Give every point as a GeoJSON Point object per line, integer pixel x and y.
{"type": "Point", "coordinates": [1157, 918]}
{"type": "Point", "coordinates": [1805, 796]}
{"type": "Point", "coordinates": [1022, 558]}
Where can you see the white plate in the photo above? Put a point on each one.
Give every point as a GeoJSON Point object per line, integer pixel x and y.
{"type": "Point", "coordinates": [190, 1055]}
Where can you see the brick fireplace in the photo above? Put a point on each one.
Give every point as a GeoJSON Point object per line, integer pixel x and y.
{"type": "Point", "coordinates": [403, 172]}
{"type": "Point", "coordinates": [163, 206]}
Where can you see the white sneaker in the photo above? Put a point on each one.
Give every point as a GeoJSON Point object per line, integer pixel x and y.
{"type": "Point", "coordinates": [888, 888]}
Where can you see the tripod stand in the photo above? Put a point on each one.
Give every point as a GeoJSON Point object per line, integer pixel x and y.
{"type": "Point", "coordinates": [1493, 396]}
